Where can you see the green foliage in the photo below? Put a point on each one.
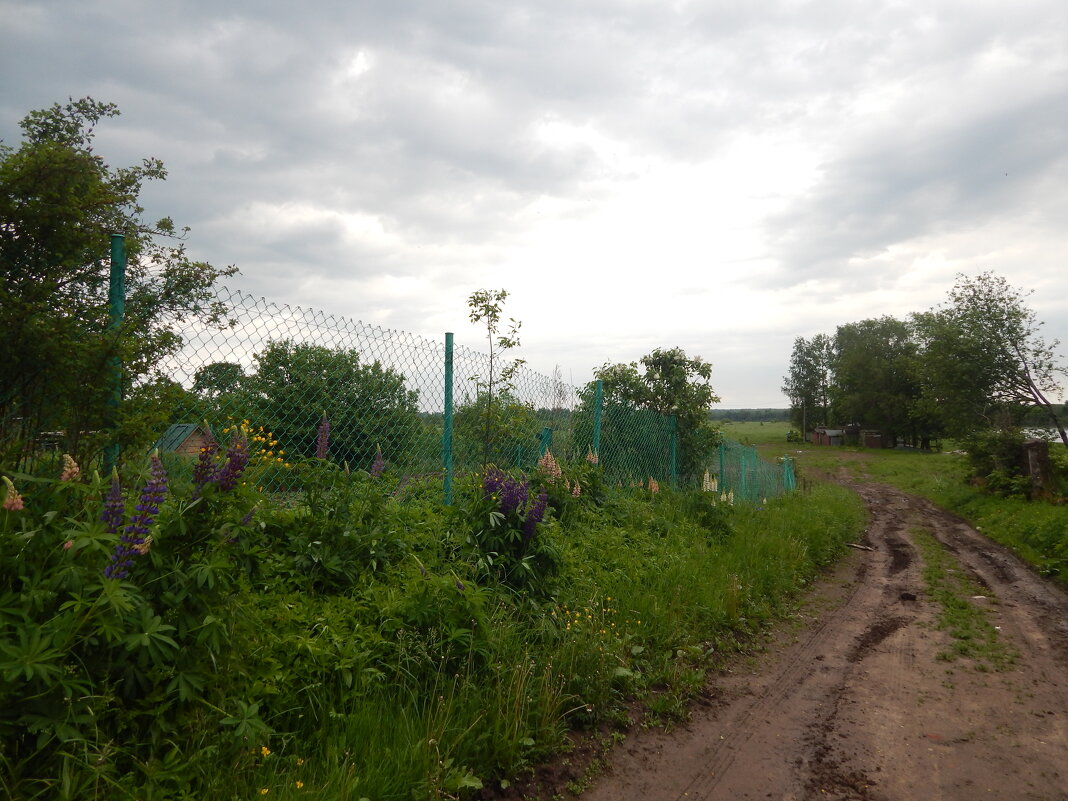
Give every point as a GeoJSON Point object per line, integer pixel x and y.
{"type": "Point", "coordinates": [258, 642]}
{"type": "Point", "coordinates": [808, 384]}
{"type": "Point", "coordinates": [86, 660]}
{"type": "Point", "coordinates": [996, 459]}
{"type": "Point", "coordinates": [507, 541]}
{"type": "Point", "coordinates": [368, 405]}
{"type": "Point", "coordinates": [876, 381]}
{"type": "Point", "coordinates": [59, 204]}
{"type": "Point", "coordinates": [339, 535]}
{"type": "Point", "coordinates": [669, 384]}
{"type": "Point", "coordinates": [486, 307]}
{"type": "Point", "coordinates": [501, 430]}
{"type": "Point", "coordinates": [984, 359]}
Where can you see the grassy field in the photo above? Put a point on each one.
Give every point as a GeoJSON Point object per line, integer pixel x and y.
{"type": "Point", "coordinates": [756, 433]}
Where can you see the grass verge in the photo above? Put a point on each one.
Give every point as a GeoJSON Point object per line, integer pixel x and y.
{"type": "Point", "coordinates": [967, 623]}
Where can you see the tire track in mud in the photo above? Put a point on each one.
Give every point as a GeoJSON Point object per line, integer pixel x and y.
{"type": "Point", "coordinates": [858, 706]}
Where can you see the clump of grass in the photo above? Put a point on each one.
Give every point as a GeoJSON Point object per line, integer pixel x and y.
{"type": "Point", "coordinates": [974, 636]}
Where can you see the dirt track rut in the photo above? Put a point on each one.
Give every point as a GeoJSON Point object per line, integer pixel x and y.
{"type": "Point", "coordinates": [855, 702]}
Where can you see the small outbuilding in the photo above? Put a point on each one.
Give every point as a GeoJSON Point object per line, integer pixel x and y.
{"type": "Point", "coordinates": [871, 439]}
{"type": "Point", "coordinates": [184, 439]}
{"type": "Point", "coordinates": [828, 436]}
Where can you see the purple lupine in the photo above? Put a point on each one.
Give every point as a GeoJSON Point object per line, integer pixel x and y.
{"type": "Point", "coordinates": [514, 496]}
{"type": "Point", "coordinates": [134, 536]}
{"type": "Point", "coordinates": [322, 440]}
{"type": "Point", "coordinates": [114, 506]}
{"type": "Point", "coordinates": [378, 466]}
{"type": "Point", "coordinates": [205, 470]}
{"type": "Point", "coordinates": [535, 514]}
{"type": "Point", "coordinates": [237, 457]}
{"type": "Point", "coordinates": [492, 481]}
{"type": "Point", "coordinates": [247, 519]}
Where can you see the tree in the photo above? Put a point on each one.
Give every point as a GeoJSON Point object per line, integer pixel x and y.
{"type": "Point", "coordinates": [368, 405]}
{"type": "Point", "coordinates": [59, 205]}
{"type": "Point", "coordinates": [217, 379]}
{"type": "Point", "coordinates": [486, 307]}
{"type": "Point", "coordinates": [984, 362]}
{"type": "Point", "coordinates": [668, 383]}
{"type": "Point", "coordinates": [808, 383]}
{"type": "Point", "coordinates": [876, 381]}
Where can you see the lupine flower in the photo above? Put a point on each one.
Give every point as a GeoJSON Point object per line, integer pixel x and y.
{"type": "Point", "coordinates": [548, 465]}
{"type": "Point", "coordinates": [535, 515]}
{"type": "Point", "coordinates": [236, 461]}
{"type": "Point", "coordinates": [576, 491]}
{"type": "Point", "coordinates": [71, 471]}
{"type": "Point", "coordinates": [248, 517]}
{"type": "Point", "coordinates": [378, 467]}
{"type": "Point", "coordinates": [493, 480]}
{"type": "Point", "coordinates": [708, 483]}
{"type": "Point", "coordinates": [114, 506]}
{"type": "Point", "coordinates": [12, 499]}
{"type": "Point", "coordinates": [654, 485]}
{"type": "Point", "coordinates": [135, 537]}
{"type": "Point", "coordinates": [591, 457]}
{"type": "Point", "coordinates": [514, 495]}
{"type": "Point", "coordinates": [205, 470]}
{"type": "Point", "coordinates": [322, 441]}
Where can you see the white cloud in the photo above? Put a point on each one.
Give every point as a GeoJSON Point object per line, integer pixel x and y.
{"type": "Point", "coordinates": [637, 174]}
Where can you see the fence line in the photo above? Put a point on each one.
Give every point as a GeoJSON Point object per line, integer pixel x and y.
{"type": "Point", "coordinates": [418, 406]}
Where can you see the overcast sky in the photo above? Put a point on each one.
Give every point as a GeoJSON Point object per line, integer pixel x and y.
{"type": "Point", "coordinates": [719, 176]}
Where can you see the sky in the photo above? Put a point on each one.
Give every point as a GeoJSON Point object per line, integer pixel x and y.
{"type": "Point", "coordinates": [718, 176]}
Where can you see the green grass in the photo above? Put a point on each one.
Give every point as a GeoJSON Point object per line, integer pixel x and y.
{"type": "Point", "coordinates": [968, 624]}
{"type": "Point", "coordinates": [749, 433]}
{"type": "Point", "coordinates": [412, 673]}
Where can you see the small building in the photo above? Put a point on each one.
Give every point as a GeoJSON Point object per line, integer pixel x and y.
{"type": "Point", "coordinates": [828, 436]}
{"type": "Point", "coordinates": [184, 439]}
{"type": "Point", "coordinates": [871, 439]}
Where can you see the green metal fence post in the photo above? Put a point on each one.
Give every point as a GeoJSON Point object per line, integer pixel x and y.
{"type": "Point", "coordinates": [116, 310]}
{"type": "Point", "coordinates": [723, 483]}
{"type": "Point", "coordinates": [673, 429]}
{"type": "Point", "coordinates": [789, 479]}
{"type": "Point", "coordinates": [743, 479]}
{"type": "Point", "coordinates": [545, 440]}
{"type": "Point", "coordinates": [446, 438]}
{"type": "Point", "coordinates": [598, 403]}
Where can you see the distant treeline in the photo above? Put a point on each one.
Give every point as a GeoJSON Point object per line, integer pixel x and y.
{"type": "Point", "coordinates": [1039, 418]}
{"type": "Point", "coordinates": [750, 415]}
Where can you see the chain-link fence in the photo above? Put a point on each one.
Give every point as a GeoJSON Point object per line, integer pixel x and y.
{"type": "Point", "coordinates": [743, 475]}
{"type": "Point", "coordinates": [306, 384]}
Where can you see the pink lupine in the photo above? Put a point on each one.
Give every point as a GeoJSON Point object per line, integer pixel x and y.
{"type": "Point", "coordinates": [71, 471]}
{"type": "Point", "coordinates": [12, 500]}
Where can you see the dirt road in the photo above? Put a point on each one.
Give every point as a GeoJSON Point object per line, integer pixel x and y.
{"type": "Point", "coordinates": [856, 701]}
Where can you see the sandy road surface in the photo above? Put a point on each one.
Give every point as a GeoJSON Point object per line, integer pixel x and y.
{"type": "Point", "coordinates": [856, 704]}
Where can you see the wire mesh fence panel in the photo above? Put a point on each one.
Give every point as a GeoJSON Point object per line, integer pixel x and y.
{"type": "Point", "coordinates": [303, 384]}
{"type": "Point", "coordinates": [748, 478]}
{"type": "Point", "coordinates": [284, 370]}
{"type": "Point", "coordinates": [508, 421]}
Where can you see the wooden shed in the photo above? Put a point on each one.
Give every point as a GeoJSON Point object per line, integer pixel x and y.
{"type": "Point", "coordinates": [185, 439]}
{"type": "Point", "coordinates": [871, 439]}
{"type": "Point", "coordinates": [828, 436]}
